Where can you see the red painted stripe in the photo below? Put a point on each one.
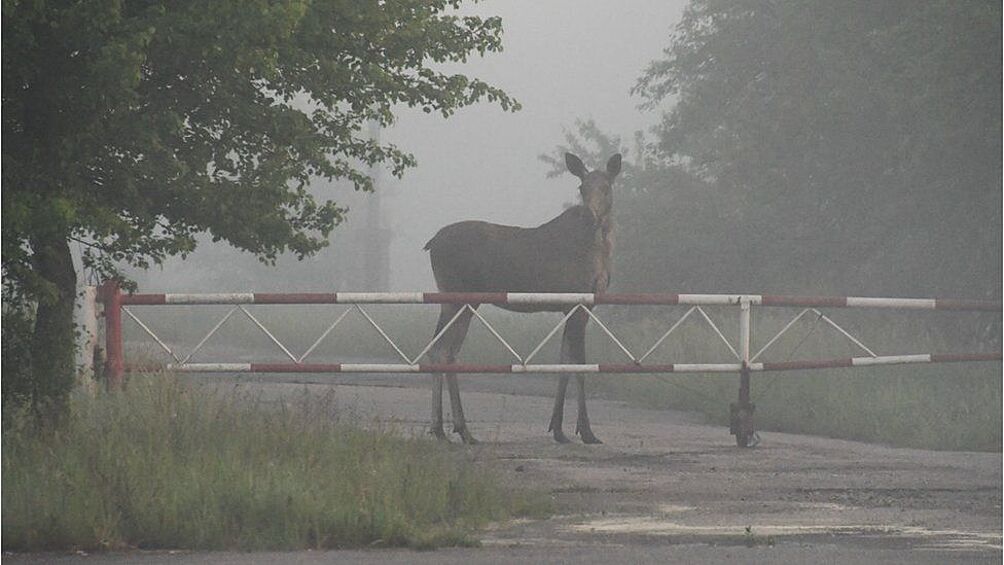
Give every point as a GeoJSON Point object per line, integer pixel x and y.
{"type": "Point", "coordinates": [952, 304]}
{"type": "Point", "coordinates": [803, 301]}
{"type": "Point", "coordinates": [809, 364]}
{"type": "Point", "coordinates": [637, 298]}
{"type": "Point", "coordinates": [295, 298]}
{"type": "Point", "coordinates": [956, 357]}
{"type": "Point", "coordinates": [464, 297]}
{"type": "Point", "coordinates": [633, 368]}
{"type": "Point", "coordinates": [460, 368]}
{"type": "Point", "coordinates": [296, 367]}
{"type": "Point", "coordinates": [143, 299]}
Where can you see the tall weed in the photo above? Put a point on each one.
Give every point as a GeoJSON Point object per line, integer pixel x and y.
{"type": "Point", "coordinates": [166, 464]}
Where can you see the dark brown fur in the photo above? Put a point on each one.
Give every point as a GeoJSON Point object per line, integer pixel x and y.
{"type": "Point", "coordinates": [571, 253]}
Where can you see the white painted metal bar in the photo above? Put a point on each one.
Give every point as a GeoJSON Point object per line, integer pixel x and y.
{"type": "Point", "coordinates": [659, 341]}
{"type": "Point", "coordinates": [496, 334]}
{"type": "Point", "coordinates": [269, 334]}
{"type": "Point", "coordinates": [780, 333]}
{"type": "Point", "coordinates": [745, 321]}
{"type": "Point", "coordinates": [889, 360]}
{"type": "Point", "coordinates": [382, 333]}
{"type": "Point", "coordinates": [323, 335]}
{"type": "Point", "coordinates": [550, 334]}
{"type": "Point", "coordinates": [611, 335]}
{"type": "Point", "coordinates": [719, 332]}
{"type": "Point", "coordinates": [440, 333]}
{"type": "Point", "coordinates": [843, 331]}
{"type": "Point", "coordinates": [209, 335]}
{"type": "Point", "coordinates": [150, 333]}
{"type": "Point", "coordinates": [905, 303]}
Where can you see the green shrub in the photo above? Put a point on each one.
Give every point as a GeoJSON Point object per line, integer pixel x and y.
{"type": "Point", "coordinates": [18, 323]}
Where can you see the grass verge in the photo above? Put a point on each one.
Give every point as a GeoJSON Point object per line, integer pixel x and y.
{"type": "Point", "coordinates": [942, 407]}
{"type": "Point", "coordinates": [166, 464]}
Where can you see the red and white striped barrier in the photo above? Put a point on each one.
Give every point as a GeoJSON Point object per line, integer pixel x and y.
{"type": "Point", "coordinates": [115, 301]}
{"type": "Point", "coordinates": [612, 368]}
{"type": "Point", "coordinates": [588, 299]}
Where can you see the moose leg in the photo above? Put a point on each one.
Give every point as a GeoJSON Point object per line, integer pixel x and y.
{"type": "Point", "coordinates": [457, 334]}
{"type": "Point", "coordinates": [576, 327]}
{"type": "Point", "coordinates": [582, 424]}
{"type": "Point", "coordinates": [459, 423]}
{"type": "Point", "coordinates": [439, 355]}
{"type": "Point", "coordinates": [437, 407]}
{"type": "Point", "coordinates": [558, 415]}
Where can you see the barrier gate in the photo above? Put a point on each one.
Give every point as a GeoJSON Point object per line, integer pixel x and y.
{"type": "Point", "coordinates": [746, 361]}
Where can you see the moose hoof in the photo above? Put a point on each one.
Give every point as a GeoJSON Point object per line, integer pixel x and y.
{"type": "Point", "coordinates": [439, 433]}
{"type": "Point", "coordinates": [466, 436]}
{"type": "Point", "coordinates": [560, 437]}
{"type": "Point", "coordinates": [589, 438]}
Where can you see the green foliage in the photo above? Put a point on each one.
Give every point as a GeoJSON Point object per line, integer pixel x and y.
{"type": "Point", "coordinates": [137, 125]}
{"type": "Point", "coordinates": [858, 142]}
{"type": "Point", "coordinates": [17, 325]}
{"type": "Point", "coordinates": [165, 464]}
{"type": "Point", "coordinates": [131, 127]}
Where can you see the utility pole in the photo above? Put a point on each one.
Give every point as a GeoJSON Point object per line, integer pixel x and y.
{"type": "Point", "coordinates": [374, 237]}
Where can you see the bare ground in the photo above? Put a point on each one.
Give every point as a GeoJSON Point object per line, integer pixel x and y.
{"type": "Point", "coordinates": [665, 487]}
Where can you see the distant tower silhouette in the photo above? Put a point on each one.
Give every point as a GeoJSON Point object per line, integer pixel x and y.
{"type": "Point", "coordinates": [373, 243]}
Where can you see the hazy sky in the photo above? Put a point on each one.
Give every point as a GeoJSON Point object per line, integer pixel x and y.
{"type": "Point", "coordinates": [563, 60]}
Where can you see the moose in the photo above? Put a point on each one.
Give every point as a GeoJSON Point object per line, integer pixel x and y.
{"type": "Point", "coordinates": [571, 253]}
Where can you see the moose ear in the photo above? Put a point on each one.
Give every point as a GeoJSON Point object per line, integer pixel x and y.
{"type": "Point", "coordinates": [614, 166]}
{"type": "Point", "coordinates": [575, 165]}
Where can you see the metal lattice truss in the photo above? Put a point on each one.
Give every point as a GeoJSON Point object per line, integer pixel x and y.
{"type": "Point", "coordinates": [524, 361]}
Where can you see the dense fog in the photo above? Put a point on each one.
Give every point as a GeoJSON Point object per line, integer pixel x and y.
{"type": "Point", "coordinates": [564, 61]}
{"type": "Point", "coordinates": [839, 202]}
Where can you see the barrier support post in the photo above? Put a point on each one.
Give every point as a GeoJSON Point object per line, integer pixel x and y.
{"type": "Point", "coordinates": [741, 412]}
{"type": "Point", "coordinates": [111, 297]}
{"type": "Point", "coordinates": [86, 318]}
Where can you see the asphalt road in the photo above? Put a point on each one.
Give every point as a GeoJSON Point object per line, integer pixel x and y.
{"type": "Point", "coordinates": [666, 488]}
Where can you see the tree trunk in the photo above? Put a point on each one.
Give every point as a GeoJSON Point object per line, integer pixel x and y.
{"type": "Point", "coordinates": [53, 365]}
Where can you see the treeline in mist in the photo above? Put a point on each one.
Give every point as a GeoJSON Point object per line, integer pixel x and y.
{"type": "Point", "coordinates": [810, 147]}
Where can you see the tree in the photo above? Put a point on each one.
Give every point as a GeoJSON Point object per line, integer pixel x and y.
{"type": "Point", "coordinates": [133, 126]}
{"type": "Point", "coordinates": [860, 142]}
